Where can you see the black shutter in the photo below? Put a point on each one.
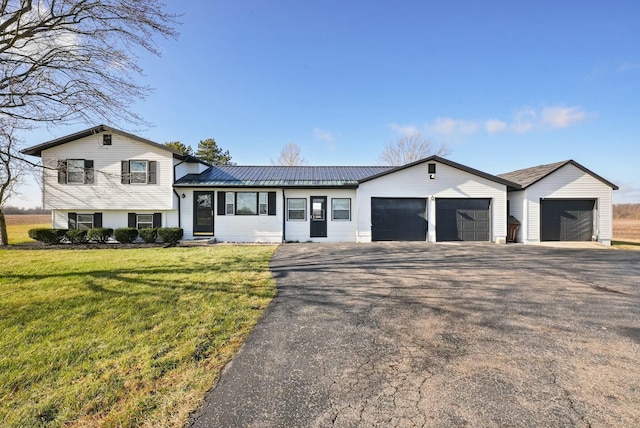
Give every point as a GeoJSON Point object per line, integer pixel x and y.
{"type": "Point", "coordinates": [131, 219]}
{"type": "Point", "coordinates": [62, 172]}
{"type": "Point", "coordinates": [222, 203]}
{"type": "Point", "coordinates": [125, 172]}
{"type": "Point", "coordinates": [157, 219]}
{"type": "Point", "coordinates": [88, 172]}
{"type": "Point", "coordinates": [152, 172]}
{"type": "Point", "coordinates": [272, 203]}
{"type": "Point", "coordinates": [97, 220]}
{"type": "Point", "coordinates": [72, 220]}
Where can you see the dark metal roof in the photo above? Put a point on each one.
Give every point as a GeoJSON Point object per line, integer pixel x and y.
{"type": "Point", "coordinates": [280, 176]}
{"type": "Point", "coordinates": [497, 179]}
{"type": "Point", "coordinates": [37, 149]}
{"type": "Point", "coordinates": [528, 176]}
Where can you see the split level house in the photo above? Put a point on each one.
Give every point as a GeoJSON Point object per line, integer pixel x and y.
{"type": "Point", "coordinates": [104, 177]}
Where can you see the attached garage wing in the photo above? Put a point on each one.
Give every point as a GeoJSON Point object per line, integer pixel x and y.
{"type": "Point", "coordinates": [398, 219]}
{"type": "Point", "coordinates": [463, 220]}
{"type": "Point", "coordinates": [566, 219]}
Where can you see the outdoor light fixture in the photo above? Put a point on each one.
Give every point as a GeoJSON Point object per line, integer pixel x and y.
{"type": "Point", "coordinates": [184, 196]}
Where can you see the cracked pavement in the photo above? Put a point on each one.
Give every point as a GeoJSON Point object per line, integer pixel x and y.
{"type": "Point", "coordinates": [430, 335]}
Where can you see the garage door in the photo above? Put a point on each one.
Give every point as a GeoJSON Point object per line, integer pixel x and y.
{"type": "Point", "coordinates": [566, 219]}
{"type": "Point", "coordinates": [398, 219]}
{"type": "Point", "coordinates": [463, 220]}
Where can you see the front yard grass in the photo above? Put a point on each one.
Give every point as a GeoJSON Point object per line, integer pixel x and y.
{"type": "Point", "coordinates": [120, 337]}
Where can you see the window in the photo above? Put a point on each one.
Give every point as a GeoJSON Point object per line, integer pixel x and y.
{"type": "Point", "coordinates": [84, 221]}
{"type": "Point", "coordinates": [297, 209]}
{"type": "Point", "coordinates": [246, 203]}
{"type": "Point", "coordinates": [106, 139]}
{"type": "Point", "coordinates": [263, 205]}
{"type": "Point", "coordinates": [75, 171]}
{"type": "Point", "coordinates": [230, 203]}
{"type": "Point", "coordinates": [341, 209]}
{"type": "Point", "coordinates": [432, 168]}
{"type": "Point", "coordinates": [139, 172]}
{"type": "Point", "coordinates": [140, 221]}
{"type": "Point", "coordinates": [144, 220]}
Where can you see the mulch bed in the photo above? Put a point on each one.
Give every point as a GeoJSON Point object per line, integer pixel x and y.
{"type": "Point", "coordinates": [89, 246]}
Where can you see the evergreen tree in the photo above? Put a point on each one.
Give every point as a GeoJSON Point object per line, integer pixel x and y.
{"type": "Point", "coordinates": [209, 151]}
{"type": "Point", "coordinates": [177, 145]}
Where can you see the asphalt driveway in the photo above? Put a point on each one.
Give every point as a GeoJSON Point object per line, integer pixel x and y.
{"type": "Point", "coordinates": [402, 334]}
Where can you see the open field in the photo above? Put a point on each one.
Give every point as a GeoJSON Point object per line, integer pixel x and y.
{"type": "Point", "coordinates": [626, 233]}
{"type": "Point", "coordinates": [128, 337]}
{"type": "Point", "coordinates": [18, 226]}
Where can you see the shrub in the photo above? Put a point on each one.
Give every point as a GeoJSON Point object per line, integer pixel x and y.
{"type": "Point", "coordinates": [170, 235]}
{"type": "Point", "coordinates": [99, 234]}
{"type": "Point", "coordinates": [149, 234]}
{"type": "Point", "coordinates": [126, 235]}
{"type": "Point", "coordinates": [77, 236]}
{"type": "Point", "coordinates": [47, 236]}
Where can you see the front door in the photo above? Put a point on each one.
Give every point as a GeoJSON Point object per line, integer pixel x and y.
{"type": "Point", "coordinates": [318, 217]}
{"type": "Point", "coordinates": [203, 213]}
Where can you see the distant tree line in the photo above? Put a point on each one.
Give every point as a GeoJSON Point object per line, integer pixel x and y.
{"type": "Point", "coordinates": [17, 210]}
{"type": "Point", "coordinates": [626, 211]}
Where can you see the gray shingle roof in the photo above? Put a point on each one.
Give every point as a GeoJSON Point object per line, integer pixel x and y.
{"type": "Point", "coordinates": [528, 176]}
{"type": "Point", "coordinates": [281, 176]}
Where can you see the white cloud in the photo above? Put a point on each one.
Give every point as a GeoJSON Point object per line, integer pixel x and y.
{"type": "Point", "coordinates": [405, 130]}
{"type": "Point", "coordinates": [562, 117]}
{"type": "Point", "coordinates": [447, 125]}
{"type": "Point", "coordinates": [524, 120]}
{"type": "Point", "coordinates": [494, 125]}
{"type": "Point", "coordinates": [321, 135]}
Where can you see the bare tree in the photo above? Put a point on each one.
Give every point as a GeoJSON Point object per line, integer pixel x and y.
{"type": "Point", "coordinates": [290, 156]}
{"type": "Point", "coordinates": [411, 148]}
{"type": "Point", "coordinates": [67, 61]}
{"type": "Point", "coordinates": [12, 170]}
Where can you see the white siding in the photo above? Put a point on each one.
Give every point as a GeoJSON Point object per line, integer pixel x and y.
{"type": "Point", "coordinates": [184, 168]}
{"type": "Point", "coordinates": [516, 205]}
{"type": "Point", "coordinates": [450, 182]}
{"type": "Point", "coordinates": [112, 218]}
{"type": "Point", "coordinates": [570, 182]}
{"type": "Point", "coordinates": [337, 230]}
{"type": "Point", "coordinates": [232, 228]}
{"type": "Point", "coordinates": [107, 193]}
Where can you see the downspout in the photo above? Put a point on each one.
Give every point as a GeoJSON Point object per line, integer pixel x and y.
{"type": "Point", "coordinates": [284, 216]}
{"type": "Point", "coordinates": [177, 195]}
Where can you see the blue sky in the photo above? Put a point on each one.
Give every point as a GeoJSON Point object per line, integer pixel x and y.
{"type": "Point", "coordinates": [506, 84]}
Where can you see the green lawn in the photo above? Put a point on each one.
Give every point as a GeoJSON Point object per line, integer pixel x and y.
{"type": "Point", "coordinates": [122, 337]}
{"type": "Point", "coordinates": [19, 233]}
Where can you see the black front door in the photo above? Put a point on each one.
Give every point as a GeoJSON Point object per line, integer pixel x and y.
{"type": "Point", "coordinates": [318, 217]}
{"type": "Point", "coordinates": [203, 213]}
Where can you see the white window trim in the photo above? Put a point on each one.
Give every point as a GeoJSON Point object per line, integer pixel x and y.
{"type": "Point", "coordinates": [146, 172]}
{"type": "Point", "coordinates": [265, 204]}
{"type": "Point", "coordinates": [84, 222]}
{"type": "Point", "coordinates": [83, 179]}
{"type": "Point", "coordinates": [230, 202]}
{"type": "Point", "coordinates": [304, 209]}
{"type": "Point", "coordinates": [333, 210]}
{"type": "Point", "coordinates": [146, 222]}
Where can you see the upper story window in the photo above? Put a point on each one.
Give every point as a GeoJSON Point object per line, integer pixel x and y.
{"type": "Point", "coordinates": [139, 172]}
{"type": "Point", "coordinates": [106, 139]}
{"type": "Point", "coordinates": [75, 171]}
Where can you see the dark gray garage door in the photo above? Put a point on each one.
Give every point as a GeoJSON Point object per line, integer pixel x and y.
{"type": "Point", "coordinates": [398, 219]}
{"type": "Point", "coordinates": [566, 219]}
{"type": "Point", "coordinates": [463, 220]}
